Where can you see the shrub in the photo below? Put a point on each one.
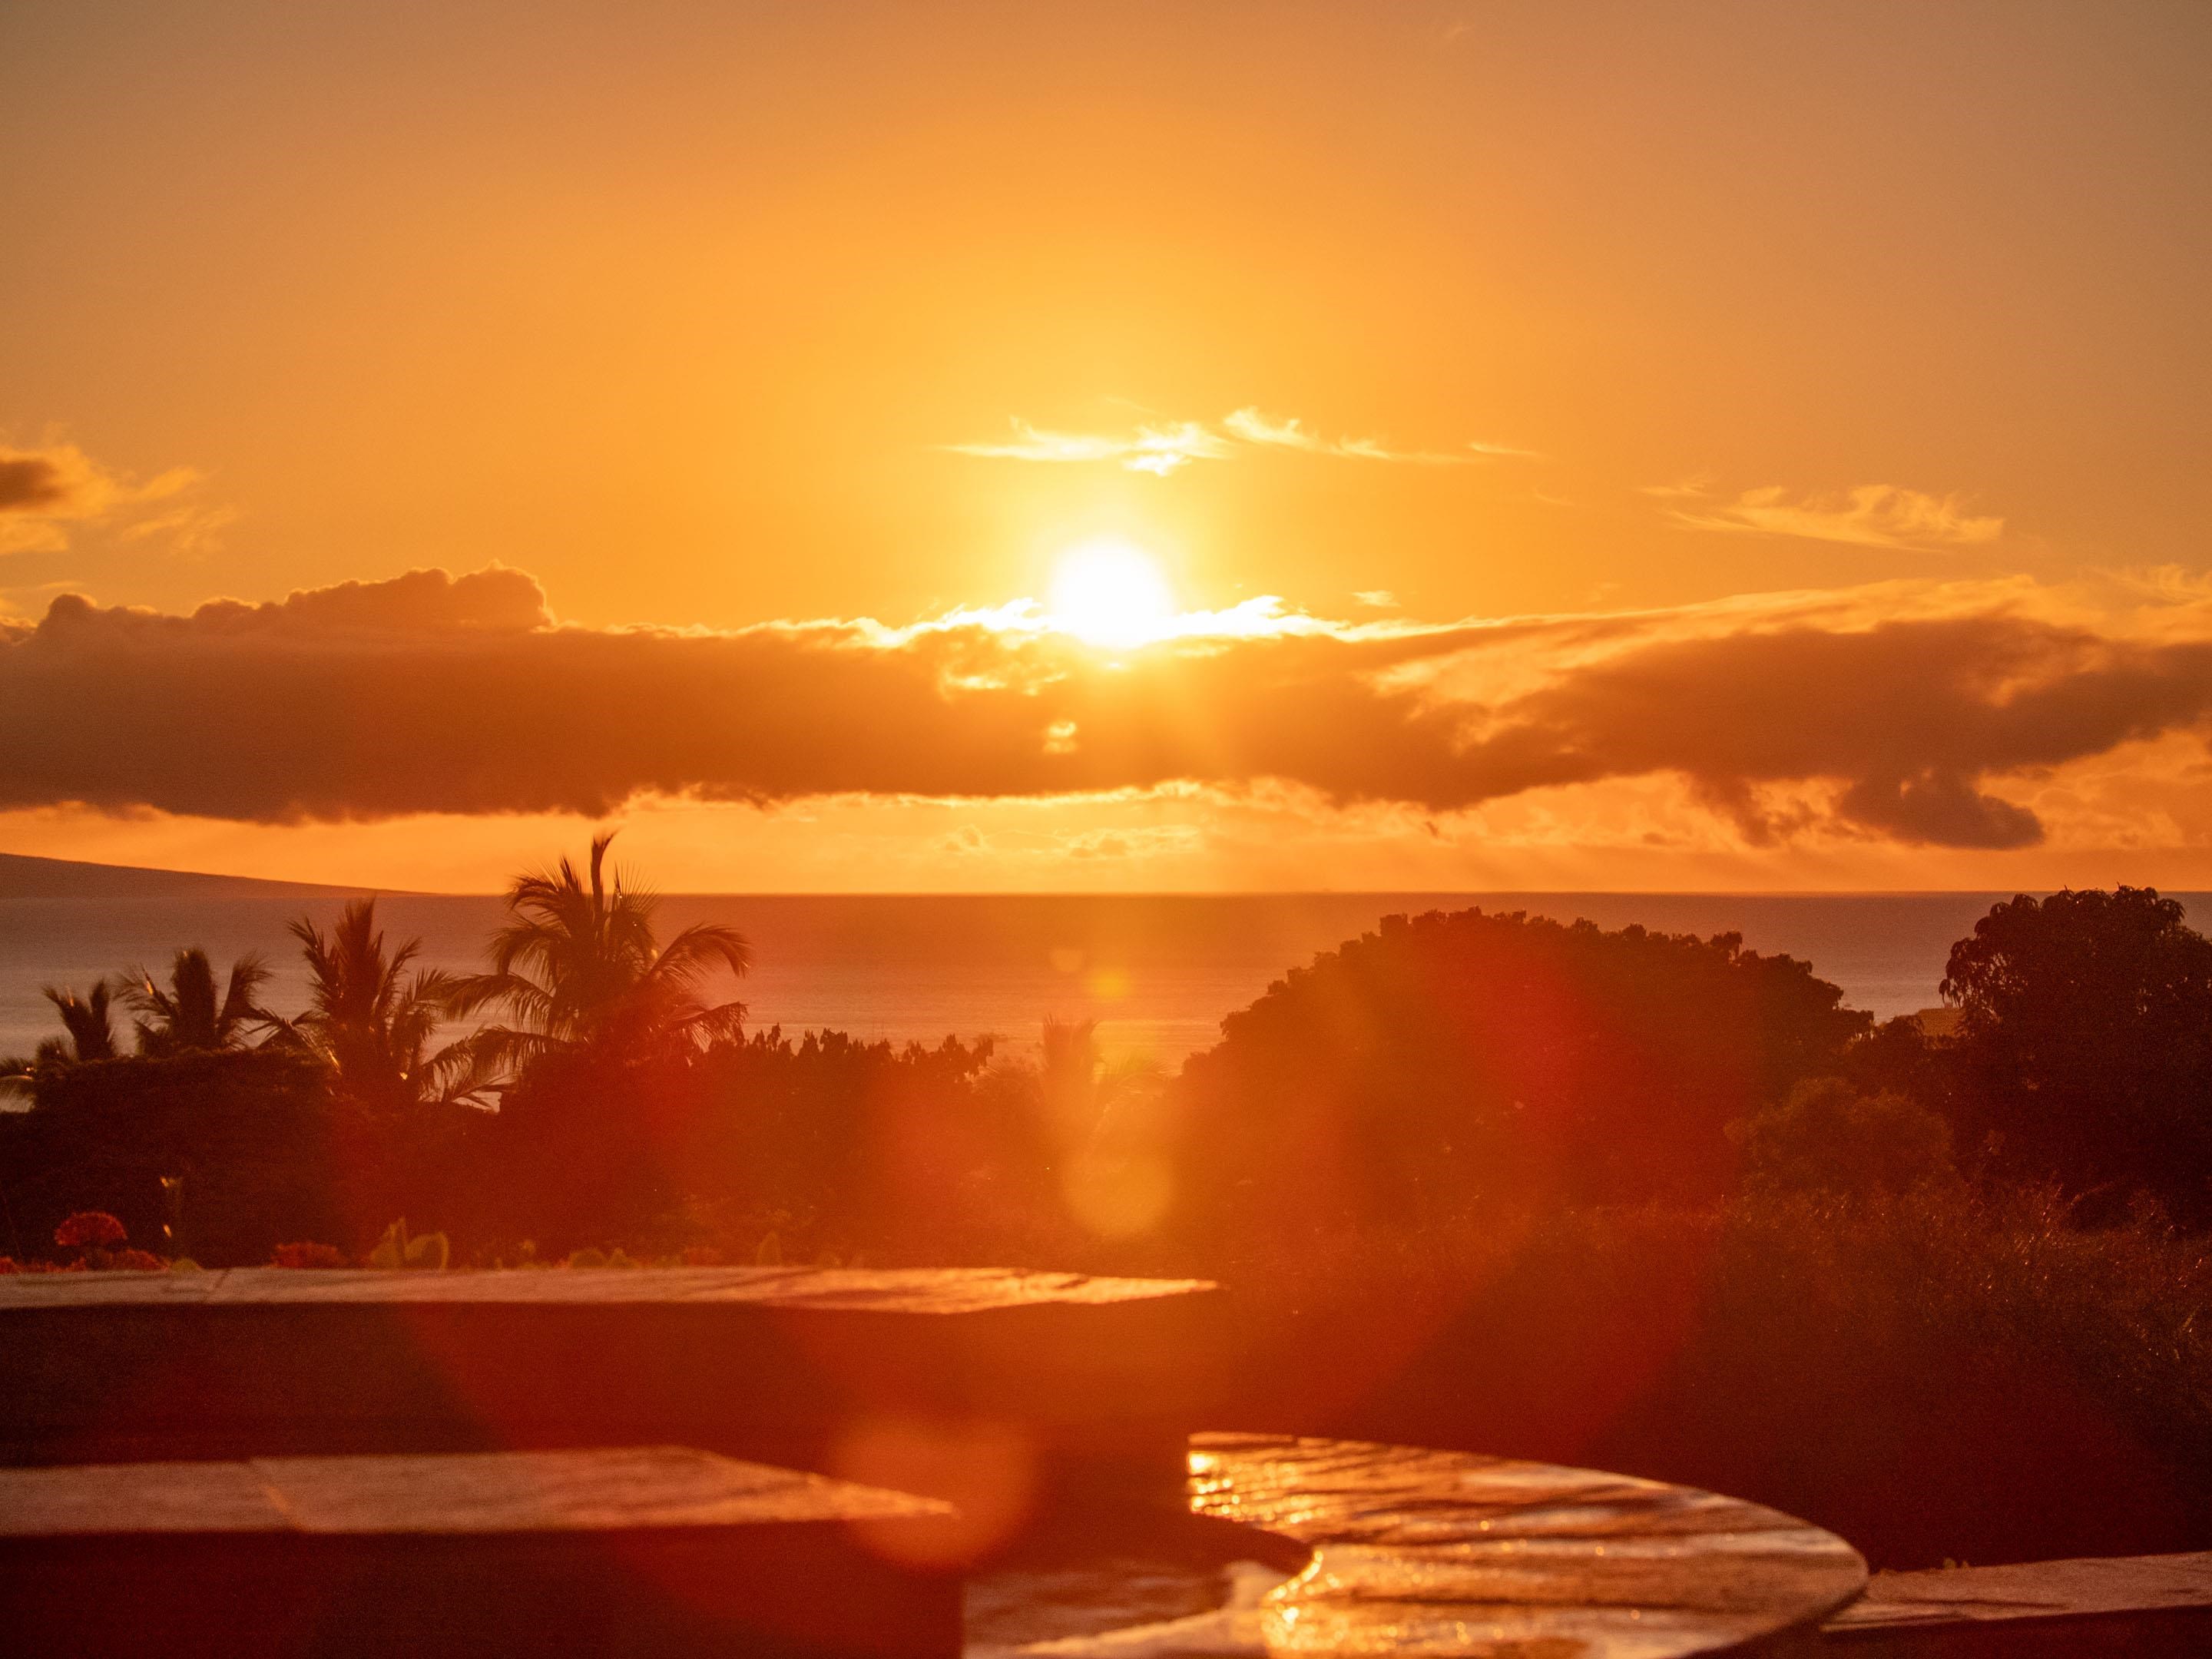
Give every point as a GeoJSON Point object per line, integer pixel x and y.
{"type": "Point", "coordinates": [94, 1235]}
{"type": "Point", "coordinates": [1829, 1138]}
{"type": "Point", "coordinates": [89, 1229]}
{"type": "Point", "coordinates": [252, 1130]}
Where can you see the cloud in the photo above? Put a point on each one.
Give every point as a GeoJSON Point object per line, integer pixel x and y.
{"type": "Point", "coordinates": [43, 490]}
{"type": "Point", "coordinates": [191, 528]}
{"type": "Point", "coordinates": [1872, 516]}
{"type": "Point", "coordinates": [1161, 449]}
{"type": "Point", "coordinates": [32, 482]}
{"type": "Point", "coordinates": [1913, 714]}
{"type": "Point", "coordinates": [1377, 598]}
{"type": "Point", "coordinates": [1156, 449]}
{"type": "Point", "coordinates": [1288, 431]}
{"type": "Point", "coordinates": [1682, 489]}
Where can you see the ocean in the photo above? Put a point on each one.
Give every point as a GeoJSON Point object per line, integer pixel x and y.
{"type": "Point", "coordinates": [1157, 973]}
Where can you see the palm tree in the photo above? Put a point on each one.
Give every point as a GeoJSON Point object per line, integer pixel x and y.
{"type": "Point", "coordinates": [91, 1036]}
{"type": "Point", "coordinates": [1082, 1094]}
{"type": "Point", "coordinates": [91, 1032]}
{"type": "Point", "coordinates": [373, 1019]}
{"type": "Point", "coordinates": [577, 971]}
{"type": "Point", "coordinates": [189, 1015]}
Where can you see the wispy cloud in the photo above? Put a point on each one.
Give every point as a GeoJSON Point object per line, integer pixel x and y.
{"type": "Point", "coordinates": [1288, 431]}
{"type": "Point", "coordinates": [1377, 598]}
{"type": "Point", "coordinates": [1163, 448]}
{"type": "Point", "coordinates": [1683, 490]}
{"type": "Point", "coordinates": [1156, 449]}
{"type": "Point", "coordinates": [45, 491]}
{"type": "Point", "coordinates": [1872, 516]}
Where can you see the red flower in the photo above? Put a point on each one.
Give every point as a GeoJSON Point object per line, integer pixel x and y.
{"type": "Point", "coordinates": [307, 1256]}
{"type": "Point", "coordinates": [136, 1262]}
{"type": "Point", "coordinates": [8, 1264]}
{"type": "Point", "coordinates": [89, 1227]}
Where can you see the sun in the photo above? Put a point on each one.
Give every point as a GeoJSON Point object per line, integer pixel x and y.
{"type": "Point", "coordinates": [1110, 592]}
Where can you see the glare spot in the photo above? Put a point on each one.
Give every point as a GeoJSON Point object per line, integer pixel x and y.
{"type": "Point", "coordinates": [1108, 984]}
{"type": "Point", "coordinates": [1111, 593]}
{"type": "Point", "coordinates": [987, 1470]}
{"type": "Point", "coordinates": [1118, 1197]}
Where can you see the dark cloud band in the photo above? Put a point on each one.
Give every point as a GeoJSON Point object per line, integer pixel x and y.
{"type": "Point", "coordinates": [429, 694]}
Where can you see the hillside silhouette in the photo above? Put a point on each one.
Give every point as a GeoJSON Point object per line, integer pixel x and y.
{"type": "Point", "coordinates": [24, 876]}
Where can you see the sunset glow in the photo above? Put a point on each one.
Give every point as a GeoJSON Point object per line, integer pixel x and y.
{"type": "Point", "coordinates": [1471, 473]}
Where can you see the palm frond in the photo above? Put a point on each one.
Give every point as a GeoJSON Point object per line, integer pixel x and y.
{"type": "Point", "coordinates": [241, 1004]}
{"type": "Point", "coordinates": [464, 1073]}
{"type": "Point", "coordinates": [501, 1051]}
{"type": "Point", "coordinates": [86, 1020]}
{"type": "Point", "coordinates": [522, 997]}
{"type": "Point", "coordinates": [576, 966]}
{"type": "Point", "coordinates": [694, 955]}
{"type": "Point", "coordinates": [704, 1027]}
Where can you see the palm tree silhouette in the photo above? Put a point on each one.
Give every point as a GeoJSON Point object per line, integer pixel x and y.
{"type": "Point", "coordinates": [1082, 1092]}
{"type": "Point", "coordinates": [373, 1019]}
{"type": "Point", "coordinates": [190, 1015]}
{"type": "Point", "coordinates": [577, 971]}
{"type": "Point", "coordinates": [91, 1032]}
{"type": "Point", "coordinates": [91, 1036]}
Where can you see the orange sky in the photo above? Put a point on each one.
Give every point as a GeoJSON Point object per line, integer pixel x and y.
{"type": "Point", "coordinates": [1805, 406]}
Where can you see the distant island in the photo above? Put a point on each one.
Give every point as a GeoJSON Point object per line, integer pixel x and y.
{"type": "Point", "coordinates": [23, 877]}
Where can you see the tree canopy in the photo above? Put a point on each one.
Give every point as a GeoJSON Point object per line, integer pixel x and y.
{"type": "Point", "coordinates": [193, 1013]}
{"type": "Point", "coordinates": [578, 973]}
{"type": "Point", "coordinates": [2085, 1044]}
{"type": "Point", "coordinates": [1453, 1054]}
{"type": "Point", "coordinates": [373, 1014]}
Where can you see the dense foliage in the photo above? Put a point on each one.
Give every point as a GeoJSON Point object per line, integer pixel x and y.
{"type": "Point", "coordinates": [2084, 1051]}
{"type": "Point", "coordinates": [822, 1139]}
{"type": "Point", "coordinates": [1827, 1137]}
{"type": "Point", "coordinates": [250, 1134]}
{"type": "Point", "coordinates": [1506, 1056]}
